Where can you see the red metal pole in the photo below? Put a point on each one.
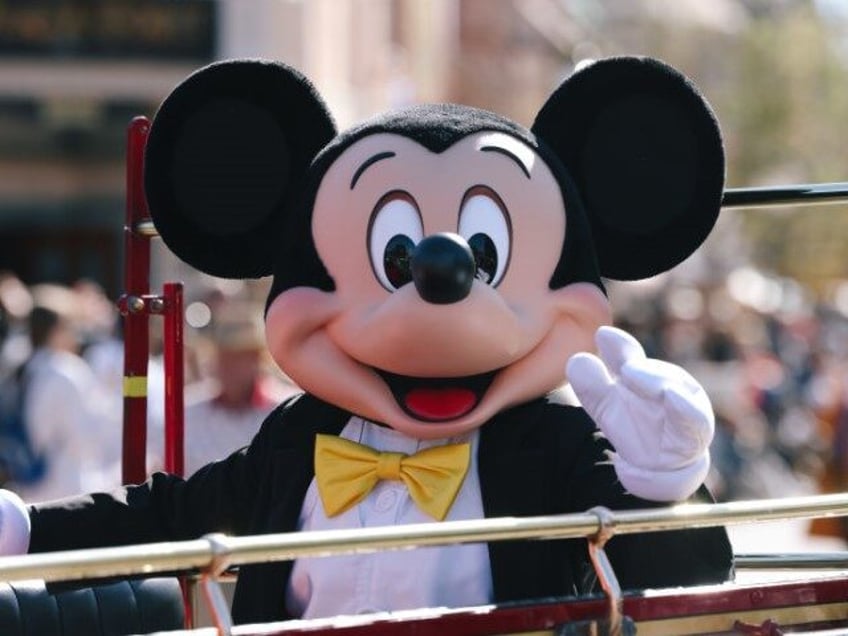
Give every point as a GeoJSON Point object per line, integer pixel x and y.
{"type": "Point", "coordinates": [174, 378]}
{"type": "Point", "coordinates": [136, 305]}
{"type": "Point", "coordinates": [136, 325]}
{"type": "Point", "coordinates": [172, 294]}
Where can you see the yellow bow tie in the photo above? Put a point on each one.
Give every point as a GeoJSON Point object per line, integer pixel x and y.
{"type": "Point", "coordinates": [346, 472]}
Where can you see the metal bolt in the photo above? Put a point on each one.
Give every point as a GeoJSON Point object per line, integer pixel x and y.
{"type": "Point", "coordinates": [135, 304]}
{"type": "Point", "coordinates": [157, 305]}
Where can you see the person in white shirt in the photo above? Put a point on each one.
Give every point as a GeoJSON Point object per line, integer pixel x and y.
{"type": "Point", "coordinates": [224, 411]}
{"type": "Point", "coordinates": [64, 411]}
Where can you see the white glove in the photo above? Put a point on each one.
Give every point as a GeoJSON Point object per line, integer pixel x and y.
{"type": "Point", "coordinates": [657, 417]}
{"type": "Point", "coordinates": [14, 524]}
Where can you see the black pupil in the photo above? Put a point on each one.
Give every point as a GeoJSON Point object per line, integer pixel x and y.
{"type": "Point", "coordinates": [485, 255]}
{"type": "Point", "coordinates": [396, 260]}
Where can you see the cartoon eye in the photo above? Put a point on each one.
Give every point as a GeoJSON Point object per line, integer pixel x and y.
{"type": "Point", "coordinates": [395, 229]}
{"type": "Point", "coordinates": [484, 223]}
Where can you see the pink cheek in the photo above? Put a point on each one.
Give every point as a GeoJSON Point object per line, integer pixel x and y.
{"type": "Point", "coordinates": [293, 316]}
{"type": "Point", "coordinates": [275, 326]}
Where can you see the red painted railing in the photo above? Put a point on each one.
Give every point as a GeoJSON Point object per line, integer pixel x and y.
{"type": "Point", "coordinates": [136, 305]}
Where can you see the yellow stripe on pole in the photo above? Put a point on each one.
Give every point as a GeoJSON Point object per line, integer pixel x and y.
{"type": "Point", "coordinates": [135, 387]}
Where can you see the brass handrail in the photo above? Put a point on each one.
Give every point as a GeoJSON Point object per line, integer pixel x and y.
{"type": "Point", "coordinates": [214, 553]}
{"type": "Point", "coordinates": [792, 561]}
{"type": "Point", "coordinates": [802, 194]}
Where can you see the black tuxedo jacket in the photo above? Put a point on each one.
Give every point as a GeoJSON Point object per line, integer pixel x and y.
{"type": "Point", "coordinates": [543, 457]}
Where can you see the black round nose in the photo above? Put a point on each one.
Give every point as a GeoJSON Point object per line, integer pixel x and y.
{"type": "Point", "coordinates": [443, 268]}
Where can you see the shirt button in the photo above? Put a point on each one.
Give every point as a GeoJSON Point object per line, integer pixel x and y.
{"type": "Point", "coordinates": [385, 501]}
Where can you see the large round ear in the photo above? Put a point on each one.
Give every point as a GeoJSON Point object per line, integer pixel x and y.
{"type": "Point", "coordinates": [645, 152]}
{"type": "Point", "coordinates": [225, 160]}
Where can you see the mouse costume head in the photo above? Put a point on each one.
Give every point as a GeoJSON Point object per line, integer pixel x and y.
{"type": "Point", "coordinates": [435, 265]}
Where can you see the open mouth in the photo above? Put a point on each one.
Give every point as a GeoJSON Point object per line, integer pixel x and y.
{"type": "Point", "coordinates": [438, 399]}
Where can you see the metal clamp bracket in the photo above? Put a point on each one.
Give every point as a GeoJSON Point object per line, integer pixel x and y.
{"type": "Point", "coordinates": [604, 570]}
{"type": "Point", "coordinates": [212, 592]}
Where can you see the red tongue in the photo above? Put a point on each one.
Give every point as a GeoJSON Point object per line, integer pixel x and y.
{"type": "Point", "coordinates": [440, 404]}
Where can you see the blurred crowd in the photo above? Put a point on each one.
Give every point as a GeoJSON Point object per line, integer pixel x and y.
{"type": "Point", "coordinates": [777, 378]}
{"type": "Point", "coordinates": [61, 378]}
{"type": "Point", "coordinates": [778, 381]}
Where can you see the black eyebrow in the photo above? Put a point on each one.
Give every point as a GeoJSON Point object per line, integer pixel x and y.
{"type": "Point", "coordinates": [507, 153]}
{"type": "Point", "coordinates": [368, 162]}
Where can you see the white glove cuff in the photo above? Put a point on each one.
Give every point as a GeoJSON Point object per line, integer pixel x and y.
{"type": "Point", "coordinates": [14, 524]}
{"type": "Point", "coordinates": [669, 485]}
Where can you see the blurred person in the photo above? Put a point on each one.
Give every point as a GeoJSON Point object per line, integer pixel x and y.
{"type": "Point", "coordinates": [98, 314]}
{"type": "Point", "coordinates": [62, 406]}
{"type": "Point", "coordinates": [224, 412]}
{"type": "Point", "coordinates": [103, 350]}
{"type": "Point", "coordinates": [16, 301]}
{"type": "Point", "coordinates": [4, 324]}
{"type": "Point", "coordinates": [101, 340]}
{"type": "Point", "coordinates": [829, 394]}
{"type": "Point", "coordinates": [7, 407]}
{"type": "Point", "coordinates": [16, 456]}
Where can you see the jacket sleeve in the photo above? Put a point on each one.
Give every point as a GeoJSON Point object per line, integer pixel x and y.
{"type": "Point", "coordinates": [217, 498]}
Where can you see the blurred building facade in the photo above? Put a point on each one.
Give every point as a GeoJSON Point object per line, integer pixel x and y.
{"type": "Point", "coordinates": [73, 73]}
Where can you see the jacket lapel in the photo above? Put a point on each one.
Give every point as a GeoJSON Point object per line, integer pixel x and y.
{"type": "Point", "coordinates": [293, 458]}
{"type": "Point", "coordinates": [520, 475]}
{"type": "Point", "coordinates": [514, 481]}
{"type": "Point", "coordinates": [260, 594]}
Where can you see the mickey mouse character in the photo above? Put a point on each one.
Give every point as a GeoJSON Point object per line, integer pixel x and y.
{"type": "Point", "coordinates": [434, 269]}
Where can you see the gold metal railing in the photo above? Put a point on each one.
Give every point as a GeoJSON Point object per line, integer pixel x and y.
{"type": "Point", "coordinates": [793, 561]}
{"type": "Point", "coordinates": [214, 553]}
{"type": "Point", "coordinates": [777, 196]}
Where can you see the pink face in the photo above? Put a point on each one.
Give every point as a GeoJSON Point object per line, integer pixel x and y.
{"type": "Point", "coordinates": [375, 346]}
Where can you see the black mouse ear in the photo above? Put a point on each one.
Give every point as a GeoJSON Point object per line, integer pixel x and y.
{"type": "Point", "coordinates": [645, 152]}
{"type": "Point", "coordinates": [224, 163]}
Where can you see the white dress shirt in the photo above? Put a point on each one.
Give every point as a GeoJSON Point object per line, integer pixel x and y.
{"type": "Point", "coordinates": [67, 420]}
{"type": "Point", "coordinates": [439, 576]}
